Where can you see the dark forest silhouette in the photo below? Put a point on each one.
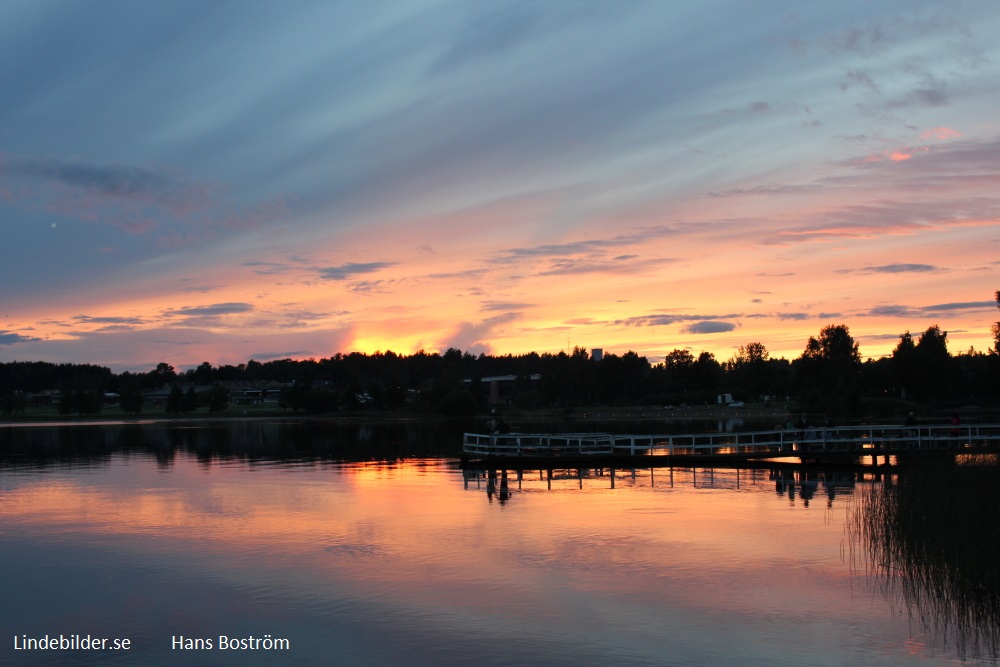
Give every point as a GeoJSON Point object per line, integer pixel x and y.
{"type": "Point", "coordinates": [828, 377]}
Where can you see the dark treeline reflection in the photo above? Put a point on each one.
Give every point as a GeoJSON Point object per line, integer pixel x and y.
{"type": "Point", "coordinates": [287, 439]}
{"type": "Point", "coordinates": [251, 440]}
{"type": "Point", "coordinates": [932, 541]}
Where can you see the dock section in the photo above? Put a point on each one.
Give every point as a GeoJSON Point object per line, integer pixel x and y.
{"type": "Point", "coordinates": [811, 444]}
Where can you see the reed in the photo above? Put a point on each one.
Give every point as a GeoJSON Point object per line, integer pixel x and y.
{"type": "Point", "coordinates": [929, 540]}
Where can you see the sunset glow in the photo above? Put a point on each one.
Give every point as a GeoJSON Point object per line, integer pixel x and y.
{"type": "Point", "coordinates": [493, 177]}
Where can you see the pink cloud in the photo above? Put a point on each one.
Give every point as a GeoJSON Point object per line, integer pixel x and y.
{"type": "Point", "coordinates": [940, 133]}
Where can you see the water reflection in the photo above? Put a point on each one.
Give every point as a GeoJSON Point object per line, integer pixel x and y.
{"type": "Point", "coordinates": [799, 483]}
{"type": "Point", "coordinates": [365, 545]}
{"type": "Point", "coordinates": [936, 556]}
{"type": "Point", "coordinates": [229, 440]}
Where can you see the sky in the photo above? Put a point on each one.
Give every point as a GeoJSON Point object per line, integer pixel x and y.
{"type": "Point", "coordinates": [184, 182]}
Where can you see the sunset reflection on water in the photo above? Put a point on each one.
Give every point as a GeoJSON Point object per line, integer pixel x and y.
{"type": "Point", "coordinates": [413, 562]}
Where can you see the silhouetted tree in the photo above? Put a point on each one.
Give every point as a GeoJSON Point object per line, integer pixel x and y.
{"type": "Point", "coordinates": [748, 372]}
{"type": "Point", "coordinates": [827, 372]}
{"type": "Point", "coordinates": [457, 403]}
{"type": "Point", "coordinates": [320, 400]}
{"type": "Point", "coordinates": [175, 401]}
{"type": "Point", "coordinates": [294, 397]}
{"type": "Point", "coordinates": [161, 375]}
{"type": "Point", "coordinates": [707, 373]}
{"type": "Point", "coordinates": [203, 375]}
{"type": "Point", "coordinates": [934, 365]}
{"type": "Point", "coordinates": [218, 399]}
{"type": "Point", "coordinates": [190, 403]}
{"type": "Point", "coordinates": [130, 398]}
{"type": "Point", "coordinates": [976, 374]}
{"type": "Point", "coordinates": [678, 377]}
{"type": "Point", "coordinates": [64, 404]}
{"type": "Point", "coordinates": [13, 402]}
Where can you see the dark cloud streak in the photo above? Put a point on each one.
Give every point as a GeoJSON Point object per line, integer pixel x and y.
{"type": "Point", "coordinates": [114, 180]}
{"type": "Point", "coordinates": [345, 271]}
{"type": "Point", "coordinates": [212, 310]}
{"type": "Point", "coordinates": [12, 338]}
{"type": "Point", "coordinates": [709, 327]}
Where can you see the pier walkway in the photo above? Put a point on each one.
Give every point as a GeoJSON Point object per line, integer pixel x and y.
{"type": "Point", "coordinates": [809, 443]}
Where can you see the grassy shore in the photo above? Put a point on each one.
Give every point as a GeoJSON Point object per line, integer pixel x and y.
{"type": "Point", "coordinates": [930, 542]}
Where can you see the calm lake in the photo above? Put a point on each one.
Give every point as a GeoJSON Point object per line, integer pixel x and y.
{"type": "Point", "coordinates": [312, 543]}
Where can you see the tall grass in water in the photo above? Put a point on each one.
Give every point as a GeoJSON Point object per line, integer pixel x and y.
{"type": "Point", "coordinates": [930, 542]}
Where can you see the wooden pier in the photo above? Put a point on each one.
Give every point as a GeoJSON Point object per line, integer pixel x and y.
{"type": "Point", "coordinates": [843, 443]}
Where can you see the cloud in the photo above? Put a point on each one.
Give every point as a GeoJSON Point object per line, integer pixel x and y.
{"type": "Point", "coordinates": [473, 275]}
{"type": "Point", "coordinates": [87, 319]}
{"type": "Point", "coordinates": [589, 256]}
{"type": "Point", "coordinates": [927, 312]}
{"type": "Point", "coordinates": [921, 97]}
{"type": "Point", "coordinates": [270, 356]}
{"type": "Point", "coordinates": [883, 336]}
{"type": "Point", "coordinates": [212, 310]}
{"type": "Point", "coordinates": [667, 319]}
{"type": "Point", "coordinates": [114, 180]}
{"type": "Point", "coordinates": [865, 41]}
{"type": "Point", "coordinates": [139, 200]}
{"type": "Point", "coordinates": [141, 350]}
{"type": "Point", "coordinates": [345, 271]}
{"type": "Point", "coordinates": [593, 247]}
{"type": "Point", "coordinates": [892, 311]}
{"type": "Point", "coordinates": [940, 133]}
{"type": "Point", "coordinates": [769, 190]}
{"type": "Point", "coordinates": [504, 306]}
{"type": "Point", "coordinates": [559, 249]}
{"type": "Point", "coordinates": [474, 337]}
{"type": "Point", "coordinates": [792, 317]}
{"type": "Point", "coordinates": [372, 286]}
{"type": "Point", "coordinates": [862, 78]}
{"type": "Point", "coordinates": [708, 327]}
{"type": "Point", "coordinates": [292, 318]}
{"type": "Point", "coordinates": [267, 268]}
{"type": "Point", "coordinates": [888, 217]}
{"type": "Point", "coordinates": [201, 289]}
{"type": "Point", "coordinates": [896, 268]}
{"type": "Point", "coordinates": [965, 305]}
{"type": "Point", "coordinates": [11, 338]}
{"type": "Point", "coordinates": [623, 264]}
{"type": "Point", "coordinates": [116, 327]}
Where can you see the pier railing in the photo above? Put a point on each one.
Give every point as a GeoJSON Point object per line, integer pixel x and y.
{"type": "Point", "coordinates": [539, 444]}
{"type": "Point", "coordinates": [794, 442]}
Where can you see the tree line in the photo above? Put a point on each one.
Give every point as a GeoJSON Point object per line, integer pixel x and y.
{"type": "Point", "coordinates": [829, 376]}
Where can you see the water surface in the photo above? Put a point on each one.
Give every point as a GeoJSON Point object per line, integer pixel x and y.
{"type": "Point", "coordinates": [156, 532]}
